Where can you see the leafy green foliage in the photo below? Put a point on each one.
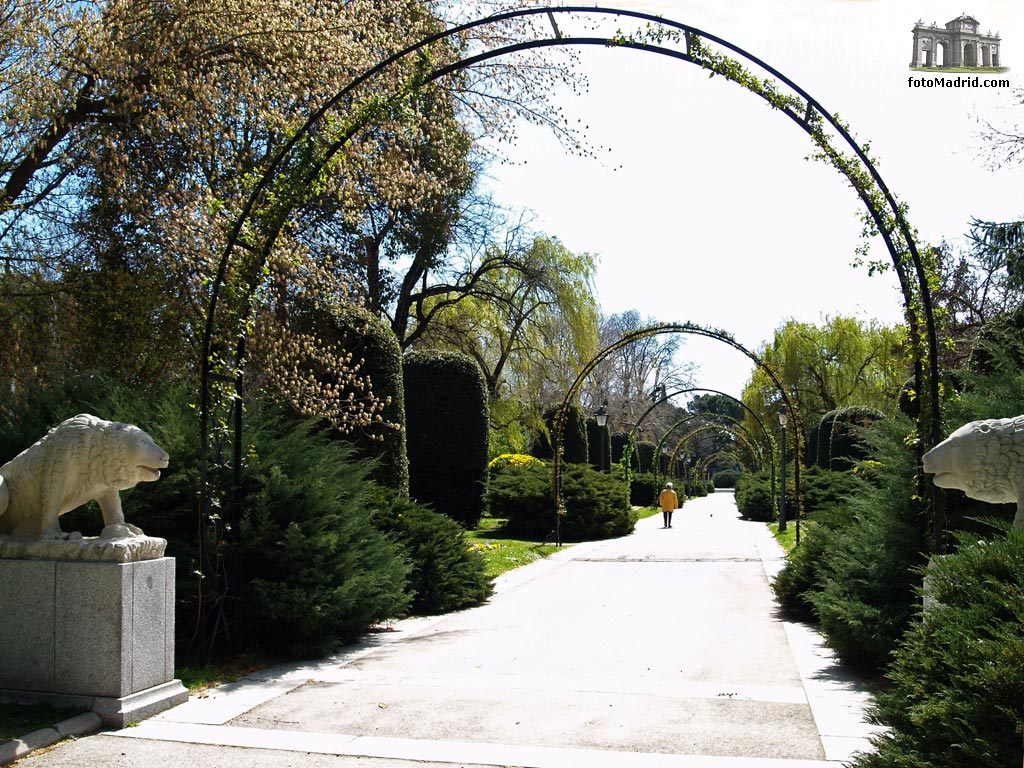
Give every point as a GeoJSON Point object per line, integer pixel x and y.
{"type": "Point", "coordinates": [865, 588]}
{"type": "Point", "coordinates": [372, 342]}
{"type": "Point", "coordinates": [820, 489]}
{"type": "Point", "coordinates": [956, 697]}
{"type": "Point", "coordinates": [754, 497]}
{"type": "Point", "coordinates": [619, 442]}
{"type": "Point", "coordinates": [643, 489]}
{"type": "Point", "coordinates": [843, 436]}
{"type": "Point", "coordinates": [320, 572]}
{"type": "Point", "coordinates": [596, 506]}
{"type": "Point", "coordinates": [799, 578]}
{"type": "Point", "coordinates": [447, 433]}
{"type": "Point", "coordinates": [446, 574]}
{"type": "Point", "coordinates": [644, 453]}
{"type": "Point", "coordinates": [726, 478]}
{"type": "Point", "coordinates": [574, 437]}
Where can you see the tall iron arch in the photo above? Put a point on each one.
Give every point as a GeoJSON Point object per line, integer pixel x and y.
{"type": "Point", "coordinates": [642, 333]}
{"type": "Point", "coordinates": [715, 424]}
{"type": "Point", "coordinates": [661, 36]}
{"type": "Point", "coordinates": [769, 437]}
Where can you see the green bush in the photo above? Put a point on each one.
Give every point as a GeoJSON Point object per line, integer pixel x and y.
{"type": "Point", "coordinates": [799, 577]}
{"type": "Point", "coordinates": [956, 693]}
{"type": "Point", "coordinates": [619, 441]}
{"type": "Point", "coordinates": [319, 571]}
{"type": "Point", "coordinates": [699, 488]}
{"type": "Point", "coordinates": [644, 489]}
{"type": "Point", "coordinates": [371, 341]}
{"type": "Point", "coordinates": [727, 478]}
{"type": "Point", "coordinates": [754, 496]}
{"type": "Point", "coordinates": [446, 575]}
{"type": "Point", "coordinates": [644, 453]}
{"type": "Point", "coordinates": [574, 437]}
{"type": "Point", "coordinates": [811, 445]}
{"type": "Point", "coordinates": [824, 454]}
{"type": "Point", "coordinates": [846, 443]}
{"type": "Point", "coordinates": [447, 432]}
{"type": "Point", "coordinates": [599, 445]}
{"type": "Point", "coordinates": [821, 489]}
{"type": "Point", "coordinates": [865, 593]}
{"type": "Point", "coordinates": [596, 506]}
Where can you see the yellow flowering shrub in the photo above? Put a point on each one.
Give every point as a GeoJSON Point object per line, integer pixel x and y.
{"type": "Point", "coordinates": [514, 460]}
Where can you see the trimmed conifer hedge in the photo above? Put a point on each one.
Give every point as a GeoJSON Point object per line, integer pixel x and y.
{"type": "Point", "coordinates": [846, 445]}
{"type": "Point", "coordinates": [575, 448]}
{"type": "Point", "coordinates": [599, 444]}
{"type": "Point", "coordinates": [596, 503]}
{"type": "Point", "coordinates": [447, 433]}
{"type": "Point", "coordinates": [619, 441]}
{"type": "Point", "coordinates": [372, 342]}
{"type": "Point", "coordinates": [644, 453]}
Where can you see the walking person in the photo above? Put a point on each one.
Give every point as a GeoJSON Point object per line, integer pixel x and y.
{"type": "Point", "coordinates": [669, 500]}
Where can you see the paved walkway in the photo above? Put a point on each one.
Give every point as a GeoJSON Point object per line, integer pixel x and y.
{"type": "Point", "coordinates": [663, 648]}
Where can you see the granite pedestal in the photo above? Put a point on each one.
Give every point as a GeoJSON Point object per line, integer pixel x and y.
{"type": "Point", "coordinates": [94, 634]}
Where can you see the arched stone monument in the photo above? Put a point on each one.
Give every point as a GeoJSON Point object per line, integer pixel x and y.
{"type": "Point", "coordinates": [85, 620]}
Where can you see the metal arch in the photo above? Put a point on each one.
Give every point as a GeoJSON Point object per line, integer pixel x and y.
{"type": "Point", "coordinates": [812, 113]}
{"type": "Point", "coordinates": [672, 394]}
{"type": "Point", "coordinates": [722, 428]}
{"type": "Point", "coordinates": [749, 440]}
{"type": "Point", "coordinates": [692, 34]}
{"type": "Point", "coordinates": [769, 436]}
{"type": "Point", "coordinates": [647, 332]}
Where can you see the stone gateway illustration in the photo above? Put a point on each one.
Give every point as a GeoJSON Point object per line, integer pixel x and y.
{"type": "Point", "coordinates": [82, 459]}
{"type": "Point", "coordinates": [957, 44]}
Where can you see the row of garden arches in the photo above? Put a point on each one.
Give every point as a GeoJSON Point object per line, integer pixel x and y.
{"type": "Point", "coordinates": [311, 148]}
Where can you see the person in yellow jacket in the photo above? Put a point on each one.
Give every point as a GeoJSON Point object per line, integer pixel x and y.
{"type": "Point", "coordinates": [669, 501]}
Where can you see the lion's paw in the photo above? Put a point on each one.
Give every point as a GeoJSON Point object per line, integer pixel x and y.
{"type": "Point", "coordinates": [120, 531]}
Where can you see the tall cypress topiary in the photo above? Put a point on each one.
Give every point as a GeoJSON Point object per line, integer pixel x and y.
{"type": "Point", "coordinates": [575, 447]}
{"type": "Point", "coordinates": [599, 444]}
{"type": "Point", "coordinates": [447, 433]}
{"type": "Point", "coordinates": [811, 447]}
{"type": "Point", "coordinates": [619, 441]}
{"type": "Point", "coordinates": [847, 444]}
{"type": "Point", "coordinates": [824, 455]}
{"type": "Point", "coordinates": [372, 344]}
{"type": "Point", "coordinates": [645, 456]}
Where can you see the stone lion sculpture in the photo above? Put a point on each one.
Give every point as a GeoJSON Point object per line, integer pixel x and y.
{"type": "Point", "coordinates": [82, 459]}
{"type": "Point", "coordinates": [985, 460]}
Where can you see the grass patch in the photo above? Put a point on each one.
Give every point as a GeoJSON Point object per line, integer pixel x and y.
{"type": "Point", "coordinates": [199, 678]}
{"type": "Point", "coordinates": [645, 512]}
{"type": "Point", "coordinates": [502, 552]}
{"type": "Point", "coordinates": [17, 720]}
{"type": "Point", "coordinates": [787, 538]}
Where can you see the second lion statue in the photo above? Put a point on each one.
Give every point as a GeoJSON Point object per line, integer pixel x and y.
{"type": "Point", "coordinates": [82, 459]}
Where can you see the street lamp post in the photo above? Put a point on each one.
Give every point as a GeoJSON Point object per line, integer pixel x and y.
{"type": "Point", "coordinates": [783, 420]}
{"type": "Point", "coordinates": [601, 417]}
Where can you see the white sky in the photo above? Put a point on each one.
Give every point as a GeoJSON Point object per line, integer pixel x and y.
{"type": "Point", "coordinates": [702, 206]}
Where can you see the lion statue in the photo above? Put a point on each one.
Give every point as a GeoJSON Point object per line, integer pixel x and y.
{"type": "Point", "coordinates": [985, 460]}
{"type": "Point", "coordinates": [82, 459]}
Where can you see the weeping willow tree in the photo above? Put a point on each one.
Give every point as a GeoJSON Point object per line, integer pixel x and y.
{"type": "Point", "coordinates": [842, 362]}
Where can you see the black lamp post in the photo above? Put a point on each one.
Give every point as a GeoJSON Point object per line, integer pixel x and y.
{"type": "Point", "coordinates": [601, 417]}
{"type": "Point", "coordinates": [783, 421]}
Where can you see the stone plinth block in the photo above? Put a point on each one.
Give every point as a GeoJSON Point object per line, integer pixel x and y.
{"type": "Point", "coordinates": [89, 631]}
